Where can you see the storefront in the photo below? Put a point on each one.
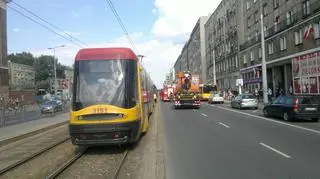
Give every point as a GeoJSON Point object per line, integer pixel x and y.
{"type": "Point", "coordinates": [306, 74]}
{"type": "Point", "coordinates": [252, 78]}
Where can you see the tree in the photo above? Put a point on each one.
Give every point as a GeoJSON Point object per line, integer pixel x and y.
{"type": "Point", "coordinates": [25, 58]}
{"type": "Point", "coordinates": [44, 68]}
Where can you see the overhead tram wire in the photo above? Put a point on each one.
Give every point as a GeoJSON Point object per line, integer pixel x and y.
{"type": "Point", "coordinates": [114, 11]}
{"type": "Point", "coordinates": [54, 26]}
{"type": "Point", "coordinates": [49, 29]}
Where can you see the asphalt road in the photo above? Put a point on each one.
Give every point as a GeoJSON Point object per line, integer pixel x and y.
{"type": "Point", "coordinates": [215, 142]}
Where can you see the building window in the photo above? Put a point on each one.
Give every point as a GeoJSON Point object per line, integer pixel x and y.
{"type": "Point", "coordinates": [248, 4]}
{"type": "Point", "coordinates": [236, 61]}
{"type": "Point", "coordinates": [306, 7]}
{"type": "Point", "coordinates": [298, 37]}
{"type": "Point", "coordinates": [251, 56]}
{"type": "Point", "coordinates": [256, 17]}
{"type": "Point", "coordinates": [289, 17]}
{"type": "Point", "coordinates": [248, 22]}
{"type": "Point", "coordinates": [276, 23]}
{"type": "Point", "coordinates": [275, 4]}
{"type": "Point", "coordinates": [265, 9]}
{"type": "Point", "coordinates": [270, 48]}
{"type": "Point", "coordinates": [244, 59]}
{"type": "Point", "coordinates": [257, 35]}
{"type": "Point", "coordinates": [260, 52]}
{"type": "Point", "coordinates": [283, 43]}
{"type": "Point", "coordinates": [265, 31]}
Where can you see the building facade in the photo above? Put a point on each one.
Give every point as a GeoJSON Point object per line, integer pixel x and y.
{"type": "Point", "coordinates": [292, 40]}
{"type": "Point", "coordinates": [22, 77]}
{"type": "Point", "coordinates": [4, 75]}
{"type": "Point", "coordinates": [196, 51]}
{"type": "Point", "coordinates": [192, 57]}
{"type": "Point", "coordinates": [222, 32]}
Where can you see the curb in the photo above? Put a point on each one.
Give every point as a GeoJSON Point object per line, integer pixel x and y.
{"type": "Point", "coordinates": [32, 133]}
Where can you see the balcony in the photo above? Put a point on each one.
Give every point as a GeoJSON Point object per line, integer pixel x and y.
{"type": "Point", "coordinates": [250, 42]}
{"type": "Point", "coordinates": [282, 25]}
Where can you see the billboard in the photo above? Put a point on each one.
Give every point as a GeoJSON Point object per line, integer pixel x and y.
{"type": "Point", "coordinates": [306, 73]}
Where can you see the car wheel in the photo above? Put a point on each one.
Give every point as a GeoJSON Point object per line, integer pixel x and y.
{"type": "Point", "coordinates": [265, 113]}
{"type": "Point", "coordinates": [315, 119]}
{"type": "Point", "coordinates": [285, 116]}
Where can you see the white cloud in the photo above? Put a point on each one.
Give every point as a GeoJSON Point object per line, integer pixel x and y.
{"type": "Point", "coordinates": [174, 20]}
{"type": "Point", "coordinates": [16, 30]}
{"type": "Point", "coordinates": [179, 16]}
{"type": "Point", "coordinates": [159, 56]}
{"type": "Point", "coordinates": [154, 11]}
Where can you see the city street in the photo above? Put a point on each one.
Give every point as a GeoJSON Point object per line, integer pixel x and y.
{"type": "Point", "coordinates": [217, 142]}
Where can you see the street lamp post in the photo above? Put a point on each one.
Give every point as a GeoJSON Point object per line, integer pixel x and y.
{"type": "Point", "coordinates": [141, 58]}
{"type": "Point", "coordinates": [263, 63]}
{"type": "Point", "coordinates": [55, 67]}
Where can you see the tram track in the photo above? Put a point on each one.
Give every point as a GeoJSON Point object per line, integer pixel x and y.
{"type": "Point", "coordinates": [21, 152]}
{"type": "Point", "coordinates": [68, 164]}
{"type": "Point", "coordinates": [32, 156]}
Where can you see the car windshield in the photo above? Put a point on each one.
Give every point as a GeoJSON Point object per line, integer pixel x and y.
{"type": "Point", "coordinates": [247, 96]}
{"type": "Point", "coordinates": [49, 103]}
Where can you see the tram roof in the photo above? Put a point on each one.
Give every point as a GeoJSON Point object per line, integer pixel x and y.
{"type": "Point", "coordinates": [106, 54]}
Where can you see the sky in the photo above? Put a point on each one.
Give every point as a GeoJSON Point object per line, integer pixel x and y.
{"type": "Point", "coordinates": [158, 28]}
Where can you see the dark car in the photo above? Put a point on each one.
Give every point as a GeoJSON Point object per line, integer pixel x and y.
{"type": "Point", "coordinates": [51, 107]}
{"type": "Point", "coordinates": [294, 107]}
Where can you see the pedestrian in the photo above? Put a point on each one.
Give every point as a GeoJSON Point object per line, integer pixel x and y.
{"type": "Point", "coordinates": [155, 97]}
{"type": "Point", "coordinates": [290, 90]}
{"type": "Point", "coordinates": [270, 94]}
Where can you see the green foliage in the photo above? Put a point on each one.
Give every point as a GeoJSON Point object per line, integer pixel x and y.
{"type": "Point", "coordinates": [43, 65]}
{"type": "Point", "coordinates": [44, 84]}
{"type": "Point", "coordinates": [25, 58]}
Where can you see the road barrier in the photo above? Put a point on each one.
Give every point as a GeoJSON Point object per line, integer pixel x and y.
{"type": "Point", "coordinates": [16, 115]}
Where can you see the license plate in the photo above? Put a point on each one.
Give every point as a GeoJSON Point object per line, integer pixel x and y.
{"type": "Point", "coordinates": [310, 109]}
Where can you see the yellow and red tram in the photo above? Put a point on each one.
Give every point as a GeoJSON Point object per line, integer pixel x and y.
{"type": "Point", "coordinates": [112, 97]}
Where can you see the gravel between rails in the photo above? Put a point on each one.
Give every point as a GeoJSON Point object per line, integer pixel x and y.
{"type": "Point", "coordinates": [97, 162]}
{"type": "Point", "coordinates": [40, 166]}
{"type": "Point", "coordinates": [15, 152]}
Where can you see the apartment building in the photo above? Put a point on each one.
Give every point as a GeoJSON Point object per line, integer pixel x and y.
{"type": "Point", "coordinates": [222, 32]}
{"type": "Point", "coordinates": [292, 39]}
{"type": "Point", "coordinates": [192, 57]}
{"type": "Point", "coordinates": [22, 77]}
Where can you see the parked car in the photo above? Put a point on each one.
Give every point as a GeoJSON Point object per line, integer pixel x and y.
{"type": "Point", "coordinates": [244, 101]}
{"type": "Point", "coordinates": [51, 107]}
{"type": "Point", "coordinates": [216, 98]}
{"type": "Point", "coordinates": [294, 107]}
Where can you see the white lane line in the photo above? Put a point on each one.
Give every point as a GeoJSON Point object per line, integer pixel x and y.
{"type": "Point", "coordinates": [204, 115]}
{"type": "Point", "coordinates": [270, 120]}
{"type": "Point", "coordinates": [225, 125]}
{"type": "Point", "coordinates": [275, 150]}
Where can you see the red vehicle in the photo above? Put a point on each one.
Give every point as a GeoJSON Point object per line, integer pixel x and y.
{"type": "Point", "coordinates": [167, 89]}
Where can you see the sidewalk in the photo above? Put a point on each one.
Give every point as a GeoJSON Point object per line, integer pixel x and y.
{"type": "Point", "coordinates": [15, 132]}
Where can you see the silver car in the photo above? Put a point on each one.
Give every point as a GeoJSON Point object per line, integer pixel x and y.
{"type": "Point", "coordinates": [244, 101]}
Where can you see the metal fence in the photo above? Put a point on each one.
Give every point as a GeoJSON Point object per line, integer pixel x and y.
{"type": "Point", "coordinates": [15, 114]}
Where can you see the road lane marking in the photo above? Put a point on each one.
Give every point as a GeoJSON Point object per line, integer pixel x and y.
{"type": "Point", "coordinates": [270, 120]}
{"type": "Point", "coordinates": [225, 125]}
{"type": "Point", "coordinates": [204, 115]}
{"type": "Point", "coordinates": [275, 150]}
